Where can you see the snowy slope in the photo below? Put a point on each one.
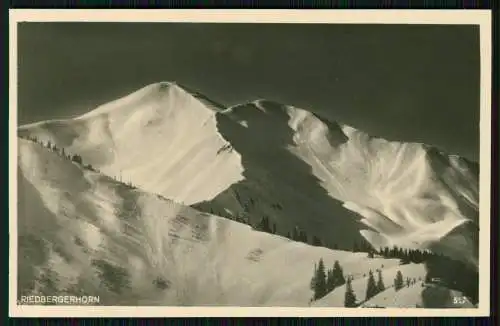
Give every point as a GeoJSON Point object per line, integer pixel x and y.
{"type": "Point", "coordinates": [81, 232]}
{"type": "Point", "coordinates": [336, 297]}
{"type": "Point", "coordinates": [268, 159]}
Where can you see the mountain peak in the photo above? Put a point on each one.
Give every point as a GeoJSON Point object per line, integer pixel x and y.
{"type": "Point", "coordinates": [155, 94]}
{"type": "Point", "coordinates": [160, 87]}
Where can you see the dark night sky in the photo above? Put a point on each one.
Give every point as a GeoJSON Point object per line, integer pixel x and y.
{"type": "Point", "coordinates": [401, 82]}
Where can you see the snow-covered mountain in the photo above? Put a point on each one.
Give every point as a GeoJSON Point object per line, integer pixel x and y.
{"type": "Point", "coordinates": [268, 159]}
{"type": "Point", "coordinates": [81, 232]}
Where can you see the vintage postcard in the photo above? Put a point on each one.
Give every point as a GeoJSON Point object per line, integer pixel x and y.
{"type": "Point", "coordinates": [249, 163]}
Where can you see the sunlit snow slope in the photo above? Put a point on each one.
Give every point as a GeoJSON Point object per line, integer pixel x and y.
{"type": "Point", "coordinates": [159, 137]}
{"type": "Point", "coordinates": [268, 159]}
{"type": "Point", "coordinates": [83, 233]}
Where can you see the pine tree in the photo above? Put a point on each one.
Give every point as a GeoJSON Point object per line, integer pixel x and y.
{"type": "Point", "coordinates": [380, 282]}
{"type": "Point", "coordinates": [398, 281]}
{"type": "Point", "coordinates": [303, 236]}
{"type": "Point", "coordinates": [295, 234]}
{"type": "Point", "coordinates": [320, 281]}
{"type": "Point", "coordinates": [371, 287]}
{"type": "Point", "coordinates": [274, 228]}
{"type": "Point", "coordinates": [264, 225]}
{"type": "Point", "coordinates": [350, 297]}
{"type": "Point", "coordinates": [355, 247]}
{"type": "Point", "coordinates": [411, 255]}
{"type": "Point", "coordinates": [316, 241]}
{"type": "Point", "coordinates": [393, 252]}
{"type": "Point", "coordinates": [330, 281]}
{"type": "Point", "coordinates": [338, 274]}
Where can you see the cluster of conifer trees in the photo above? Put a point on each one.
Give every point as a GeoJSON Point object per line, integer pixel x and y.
{"type": "Point", "coordinates": [324, 281]}
{"type": "Point", "coordinates": [297, 233]}
{"type": "Point", "coordinates": [265, 226]}
{"type": "Point", "coordinates": [374, 287]}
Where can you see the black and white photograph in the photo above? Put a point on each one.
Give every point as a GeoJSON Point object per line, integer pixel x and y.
{"type": "Point", "coordinates": [337, 167]}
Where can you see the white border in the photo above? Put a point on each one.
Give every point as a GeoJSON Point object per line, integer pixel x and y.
{"type": "Point", "coordinates": [458, 17]}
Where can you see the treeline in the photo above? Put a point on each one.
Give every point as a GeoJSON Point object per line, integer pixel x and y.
{"type": "Point", "coordinates": [74, 158]}
{"type": "Point", "coordinates": [264, 224]}
{"type": "Point", "coordinates": [297, 234]}
{"type": "Point", "coordinates": [406, 256]}
{"type": "Point", "coordinates": [363, 245]}
{"type": "Point", "coordinates": [60, 151]}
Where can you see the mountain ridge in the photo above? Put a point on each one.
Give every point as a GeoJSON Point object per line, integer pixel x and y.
{"type": "Point", "coordinates": [188, 148]}
{"type": "Point", "coordinates": [162, 85]}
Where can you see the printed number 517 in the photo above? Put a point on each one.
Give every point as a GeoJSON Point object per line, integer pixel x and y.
{"type": "Point", "coordinates": [459, 300]}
